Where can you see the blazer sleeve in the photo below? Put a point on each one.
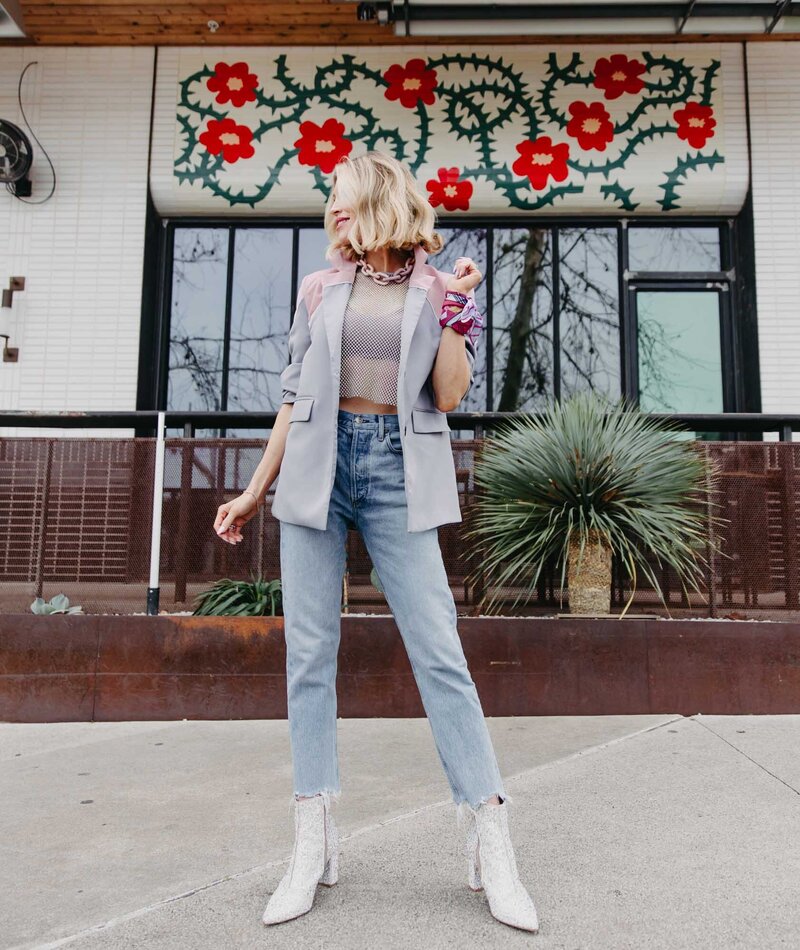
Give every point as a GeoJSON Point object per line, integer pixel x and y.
{"type": "Point", "coordinates": [299, 341]}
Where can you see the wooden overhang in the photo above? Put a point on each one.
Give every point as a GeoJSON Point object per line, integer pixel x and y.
{"type": "Point", "coordinates": [350, 23]}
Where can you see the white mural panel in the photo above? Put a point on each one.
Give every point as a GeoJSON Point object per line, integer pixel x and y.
{"type": "Point", "coordinates": [492, 130]}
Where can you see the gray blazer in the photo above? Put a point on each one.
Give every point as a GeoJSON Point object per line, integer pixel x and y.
{"type": "Point", "coordinates": [311, 383]}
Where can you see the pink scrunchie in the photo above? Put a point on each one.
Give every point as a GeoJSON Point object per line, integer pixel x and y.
{"type": "Point", "coordinates": [469, 311]}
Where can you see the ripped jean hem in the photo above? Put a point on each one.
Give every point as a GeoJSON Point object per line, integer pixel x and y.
{"type": "Point", "coordinates": [464, 809]}
{"type": "Point", "coordinates": [328, 795]}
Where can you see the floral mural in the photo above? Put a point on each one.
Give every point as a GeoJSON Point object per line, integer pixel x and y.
{"type": "Point", "coordinates": [520, 129]}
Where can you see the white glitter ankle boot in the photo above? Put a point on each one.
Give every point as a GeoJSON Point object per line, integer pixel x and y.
{"type": "Point", "coordinates": [315, 860]}
{"type": "Point", "coordinates": [491, 866]}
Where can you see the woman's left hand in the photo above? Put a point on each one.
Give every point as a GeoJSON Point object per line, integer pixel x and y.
{"type": "Point", "coordinates": [465, 276]}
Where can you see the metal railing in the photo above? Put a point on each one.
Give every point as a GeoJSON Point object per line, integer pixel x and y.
{"type": "Point", "coordinates": [99, 510]}
{"type": "Point", "coordinates": [145, 421]}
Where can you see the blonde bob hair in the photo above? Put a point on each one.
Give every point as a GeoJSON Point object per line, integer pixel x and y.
{"type": "Point", "coordinates": [385, 206]}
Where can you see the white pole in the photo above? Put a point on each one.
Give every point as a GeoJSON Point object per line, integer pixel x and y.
{"type": "Point", "coordinates": [155, 534]}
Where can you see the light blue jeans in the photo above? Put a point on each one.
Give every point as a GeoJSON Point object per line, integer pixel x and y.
{"type": "Point", "coordinates": [368, 494]}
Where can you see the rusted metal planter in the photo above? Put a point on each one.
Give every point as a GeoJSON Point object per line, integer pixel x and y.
{"type": "Point", "coordinates": [111, 668]}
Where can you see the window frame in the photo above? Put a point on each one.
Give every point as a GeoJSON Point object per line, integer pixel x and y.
{"type": "Point", "coordinates": [170, 226]}
{"type": "Point", "coordinates": [723, 280]}
{"type": "Point", "coordinates": [734, 356]}
{"type": "Point", "coordinates": [725, 336]}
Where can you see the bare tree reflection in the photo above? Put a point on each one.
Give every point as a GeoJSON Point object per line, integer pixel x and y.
{"type": "Point", "coordinates": [678, 249]}
{"type": "Point", "coordinates": [260, 318]}
{"type": "Point", "coordinates": [589, 312]}
{"type": "Point", "coordinates": [526, 339]}
{"type": "Point", "coordinates": [259, 322]}
{"type": "Point", "coordinates": [197, 318]}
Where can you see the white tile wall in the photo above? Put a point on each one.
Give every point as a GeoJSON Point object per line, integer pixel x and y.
{"type": "Point", "coordinates": [77, 321]}
{"type": "Point", "coordinates": [774, 85]}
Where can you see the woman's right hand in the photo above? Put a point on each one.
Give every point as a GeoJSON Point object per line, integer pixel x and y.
{"type": "Point", "coordinates": [231, 515]}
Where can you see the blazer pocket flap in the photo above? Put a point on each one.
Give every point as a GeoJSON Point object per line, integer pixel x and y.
{"type": "Point", "coordinates": [429, 420]}
{"type": "Point", "coordinates": [301, 409]}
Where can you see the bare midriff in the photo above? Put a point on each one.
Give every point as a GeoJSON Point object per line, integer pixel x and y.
{"type": "Point", "coordinates": [352, 404]}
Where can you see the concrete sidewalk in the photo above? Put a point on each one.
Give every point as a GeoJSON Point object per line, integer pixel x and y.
{"type": "Point", "coordinates": [630, 832]}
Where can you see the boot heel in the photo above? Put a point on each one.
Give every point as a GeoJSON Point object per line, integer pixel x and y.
{"type": "Point", "coordinates": [331, 873]}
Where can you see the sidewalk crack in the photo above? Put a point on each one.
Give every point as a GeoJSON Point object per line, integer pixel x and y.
{"type": "Point", "coordinates": [742, 752]}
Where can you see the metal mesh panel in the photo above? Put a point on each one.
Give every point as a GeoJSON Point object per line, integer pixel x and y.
{"type": "Point", "coordinates": [75, 517]}
{"type": "Point", "coordinates": [199, 475]}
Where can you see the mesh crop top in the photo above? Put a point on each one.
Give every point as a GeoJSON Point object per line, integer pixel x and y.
{"type": "Point", "coordinates": [371, 340]}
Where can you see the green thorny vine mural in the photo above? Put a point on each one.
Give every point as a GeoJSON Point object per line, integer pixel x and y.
{"type": "Point", "coordinates": [555, 146]}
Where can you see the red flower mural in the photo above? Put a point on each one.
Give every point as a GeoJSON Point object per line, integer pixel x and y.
{"type": "Point", "coordinates": [540, 159]}
{"type": "Point", "coordinates": [234, 84]}
{"type": "Point", "coordinates": [591, 125]}
{"type": "Point", "coordinates": [323, 145]}
{"type": "Point", "coordinates": [410, 83]}
{"type": "Point", "coordinates": [449, 191]}
{"type": "Point", "coordinates": [695, 123]}
{"type": "Point", "coordinates": [617, 75]}
{"type": "Point", "coordinates": [226, 136]}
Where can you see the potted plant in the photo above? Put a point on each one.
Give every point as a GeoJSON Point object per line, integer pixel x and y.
{"type": "Point", "coordinates": [586, 481]}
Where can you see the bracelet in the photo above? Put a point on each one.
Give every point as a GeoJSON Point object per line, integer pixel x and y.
{"type": "Point", "coordinates": [248, 492]}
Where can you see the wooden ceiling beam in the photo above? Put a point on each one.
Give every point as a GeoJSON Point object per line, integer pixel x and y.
{"type": "Point", "coordinates": [272, 23]}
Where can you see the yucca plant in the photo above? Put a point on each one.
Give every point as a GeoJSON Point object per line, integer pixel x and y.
{"type": "Point", "coordinates": [254, 598]}
{"type": "Point", "coordinates": [586, 480]}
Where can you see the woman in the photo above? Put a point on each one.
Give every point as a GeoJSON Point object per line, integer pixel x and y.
{"type": "Point", "coordinates": [382, 345]}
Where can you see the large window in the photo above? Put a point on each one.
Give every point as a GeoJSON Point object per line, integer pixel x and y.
{"type": "Point", "coordinates": [636, 308]}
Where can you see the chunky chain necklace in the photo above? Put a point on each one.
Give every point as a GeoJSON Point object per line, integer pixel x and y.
{"type": "Point", "coordinates": [386, 277]}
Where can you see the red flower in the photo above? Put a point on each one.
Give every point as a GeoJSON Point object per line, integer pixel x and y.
{"type": "Point", "coordinates": [234, 84]}
{"type": "Point", "coordinates": [617, 75]}
{"type": "Point", "coordinates": [224, 135]}
{"type": "Point", "coordinates": [324, 145]}
{"type": "Point", "coordinates": [449, 191]}
{"type": "Point", "coordinates": [591, 125]}
{"type": "Point", "coordinates": [695, 123]}
{"type": "Point", "coordinates": [410, 83]}
{"type": "Point", "coordinates": [540, 159]}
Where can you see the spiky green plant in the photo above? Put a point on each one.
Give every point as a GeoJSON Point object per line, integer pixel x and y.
{"type": "Point", "coordinates": [589, 464]}
{"type": "Point", "coordinates": [254, 598]}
